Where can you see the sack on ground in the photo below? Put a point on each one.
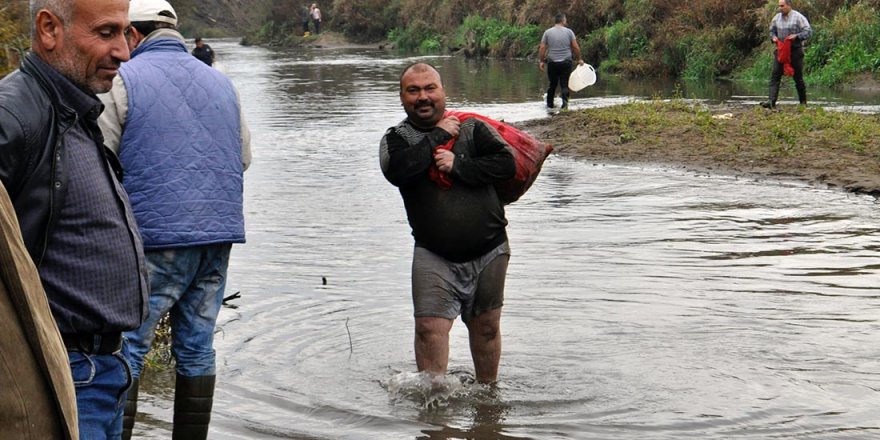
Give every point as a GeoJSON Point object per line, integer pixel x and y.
{"type": "Point", "coordinates": [528, 152]}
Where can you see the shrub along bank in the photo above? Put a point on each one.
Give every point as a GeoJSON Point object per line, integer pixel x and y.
{"type": "Point", "coordinates": [707, 39]}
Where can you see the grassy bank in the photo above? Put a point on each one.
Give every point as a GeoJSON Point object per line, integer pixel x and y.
{"type": "Point", "coordinates": [812, 144]}
{"type": "Point", "coordinates": [13, 35]}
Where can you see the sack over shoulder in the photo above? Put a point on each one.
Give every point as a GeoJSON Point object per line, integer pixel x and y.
{"type": "Point", "coordinates": [528, 152]}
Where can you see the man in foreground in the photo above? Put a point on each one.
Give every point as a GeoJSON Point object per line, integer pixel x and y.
{"type": "Point", "coordinates": [461, 249]}
{"type": "Point", "coordinates": [184, 151]}
{"type": "Point", "coordinates": [791, 27]}
{"type": "Point", "coordinates": [74, 214]}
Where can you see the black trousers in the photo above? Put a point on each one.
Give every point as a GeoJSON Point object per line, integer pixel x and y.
{"type": "Point", "coordinates": [797, 62]}
{"type": "Point", "coordinates": [558, 74]}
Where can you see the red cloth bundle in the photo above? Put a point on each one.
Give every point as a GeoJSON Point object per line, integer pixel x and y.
{"type": "Point", "coordinates": [783, 55]}
{"type": "Point", "coordinates": [528, 152]}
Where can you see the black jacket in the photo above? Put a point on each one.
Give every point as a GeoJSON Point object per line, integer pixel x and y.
{"type": "Point", "coordinates": [33, 124]}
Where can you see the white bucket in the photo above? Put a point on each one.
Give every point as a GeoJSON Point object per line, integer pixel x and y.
{"type": "Point", "coordinates": [581, 77]}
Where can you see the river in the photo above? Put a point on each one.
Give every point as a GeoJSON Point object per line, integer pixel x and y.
{"type": "Point", "coordinates": [641, 303]}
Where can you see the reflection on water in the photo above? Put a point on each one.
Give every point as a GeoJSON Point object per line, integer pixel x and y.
{"type": "Point", "coordinates": [641, 303]}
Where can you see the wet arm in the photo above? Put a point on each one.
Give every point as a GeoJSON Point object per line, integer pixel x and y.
{"type": "Point", "coordinates": [401, 162]}
{"type": "Point", "coordinates": [493, 161]}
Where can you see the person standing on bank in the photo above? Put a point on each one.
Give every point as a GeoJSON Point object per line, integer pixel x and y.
{"type": "Point", "coordinates": [203, 52]}
{"type": "Point", "coordinates": [790, 25]}
{"type": "Point", "coordinates": [558, 48]}
{"type": "Point", "coordinates": [316, 17]}
{"type": "Point", "coordinates": [74, 214]}
{"type": "Point", "coordinates": [306, 17]}
{"type": "Point", "coordinates": [184, 152]}
{"type": "Point", "coordinates": [461, 249]}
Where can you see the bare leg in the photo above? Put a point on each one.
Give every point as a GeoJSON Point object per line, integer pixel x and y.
{"type": "Point", "coordinates": [485, 340]}
{"type": "Point", "coordinates": [432, 344]}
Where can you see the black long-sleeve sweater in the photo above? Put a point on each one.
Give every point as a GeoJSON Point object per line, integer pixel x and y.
{"type": "Point", "coordinates": [467, 220]}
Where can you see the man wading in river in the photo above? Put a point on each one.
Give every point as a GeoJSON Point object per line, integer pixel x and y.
{"type": "Point", "coordinates": [461, 250]}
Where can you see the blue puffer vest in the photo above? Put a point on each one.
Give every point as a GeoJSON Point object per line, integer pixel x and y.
{"type": "Point", "coordinates": [181, 148]}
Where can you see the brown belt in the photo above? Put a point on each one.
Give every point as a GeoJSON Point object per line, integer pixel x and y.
{"type": "Point", "coordinates": [93, 343]}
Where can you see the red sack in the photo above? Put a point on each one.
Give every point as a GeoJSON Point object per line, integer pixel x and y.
{"type": "Point", "coordinates": [528, 152]}
{"type": "Point", "coordinates": [783, 56]}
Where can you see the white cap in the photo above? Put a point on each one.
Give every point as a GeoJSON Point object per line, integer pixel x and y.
{"type": "Point", "coordinates": [151, 10]}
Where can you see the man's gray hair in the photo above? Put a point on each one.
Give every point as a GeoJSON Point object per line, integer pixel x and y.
{"type": "Point", "coordinates": [63, 9]}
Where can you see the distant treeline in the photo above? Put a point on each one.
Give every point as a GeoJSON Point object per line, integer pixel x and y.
{"type": "Point", "coordinates": [689, 39]}
{"type": "Point", "coordinates": [705, 39]}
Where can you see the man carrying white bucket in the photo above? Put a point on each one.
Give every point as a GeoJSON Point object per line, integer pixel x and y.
{"type": "Point", "coordinates": [558, 48]}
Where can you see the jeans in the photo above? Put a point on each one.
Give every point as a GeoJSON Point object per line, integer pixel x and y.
{"type": "Point", "coordinates": [101, 383]}
{"type": "Point", "coordinates": [189, 284]}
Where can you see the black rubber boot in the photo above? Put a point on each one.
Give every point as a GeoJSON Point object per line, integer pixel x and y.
{"type": "Point", "coordinates": [130, 410]}
{"type": "Point", "coordinates": [193, 399]}
{"type": "Point", "coordinates": [564, 101]}
{"type": "Point", "coordinates": [774, 93]}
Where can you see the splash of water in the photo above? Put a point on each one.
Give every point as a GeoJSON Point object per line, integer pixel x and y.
{"type": "Point", "coordinates": [428, 390]}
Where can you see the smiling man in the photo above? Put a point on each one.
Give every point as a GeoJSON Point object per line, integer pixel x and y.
{"type": "Point", "coordinates": [445, 170]}
{"type": "Point", "coordinates": [74, 215]}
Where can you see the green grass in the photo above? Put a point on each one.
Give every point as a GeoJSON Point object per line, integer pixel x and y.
{"type": "Point", "coordinates": [775, 134]}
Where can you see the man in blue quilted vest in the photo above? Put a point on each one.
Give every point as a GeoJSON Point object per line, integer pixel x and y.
{"type": "Point", "coordinates": [177, 126]}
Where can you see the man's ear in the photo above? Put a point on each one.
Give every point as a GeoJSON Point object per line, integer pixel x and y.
{"type": "Point", "coordinates": [49, 30]}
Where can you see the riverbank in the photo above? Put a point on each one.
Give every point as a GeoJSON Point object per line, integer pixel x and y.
{"type": "Point", "coordinates": [837, 149]}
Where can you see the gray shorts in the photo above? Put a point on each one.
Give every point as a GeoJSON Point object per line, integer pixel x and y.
{"type": "Point", "coordinates": [444, 289]}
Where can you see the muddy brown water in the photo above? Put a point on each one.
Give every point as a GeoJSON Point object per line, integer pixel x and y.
{"type": "Point", "coordinates": [641, 303]}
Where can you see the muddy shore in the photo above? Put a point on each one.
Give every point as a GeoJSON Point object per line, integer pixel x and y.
{"type": "Point", "coordinates": [735, 143]}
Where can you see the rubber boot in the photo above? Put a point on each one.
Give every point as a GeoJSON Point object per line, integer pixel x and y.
{"type": "Point", "coordinates": [193, 399]}
{"type": "Point", "coordinates": [130, 410]}
{"type": "Point", "coordinates": [774, 93]}
{"type": "Point", "coordinates": [564, 101]}
{"type": "Point", "coordinates": [802, 94]}
{"type": "Point", "coordinates": [550, 96]}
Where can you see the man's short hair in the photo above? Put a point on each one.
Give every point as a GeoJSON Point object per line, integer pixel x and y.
{"type": "Point", "coordinates": [560, 17]}
{"type": "Point", "coordinates": [63, 9]}
{"type": "Point", "coordinates": [418, 66]}
{"type": "Point", "coordinates": [147, 27]}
